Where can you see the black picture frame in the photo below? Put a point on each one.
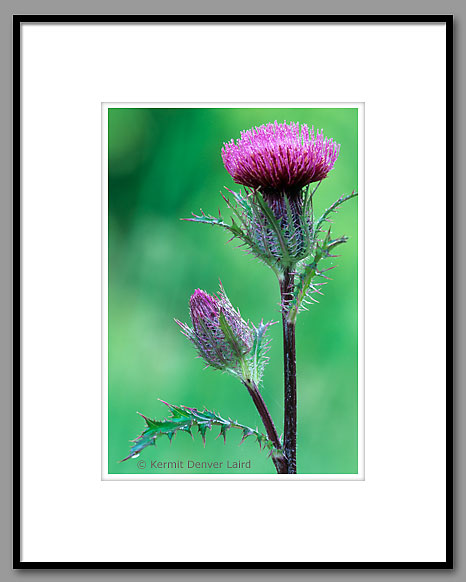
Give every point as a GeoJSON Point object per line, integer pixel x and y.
{"type": "Point", "coordinates": [18, 20]}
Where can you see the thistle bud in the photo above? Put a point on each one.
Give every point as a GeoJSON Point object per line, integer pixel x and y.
{"type": "Point", "coordinates": [218, 331]}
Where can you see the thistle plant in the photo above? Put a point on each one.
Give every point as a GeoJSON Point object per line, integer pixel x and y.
{"type": "Point", "coordinates": [280, 167]}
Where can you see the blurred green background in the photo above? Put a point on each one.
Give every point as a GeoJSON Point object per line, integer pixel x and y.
{"type": "Point", "coordinates": [165, 164]}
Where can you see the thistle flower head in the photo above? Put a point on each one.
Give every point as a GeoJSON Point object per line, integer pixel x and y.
{"type": "Point", "coordinates": [278, 162]}
{"type": "Point", "coordinates": [279, 158]}
{"type": "Point", "coordinates": [218, 331]}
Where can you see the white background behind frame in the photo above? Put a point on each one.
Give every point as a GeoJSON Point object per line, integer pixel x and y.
{"type": "Point", "coordinates": [398, 513]}
{"type": "Point", "coordinates": [252, 476]}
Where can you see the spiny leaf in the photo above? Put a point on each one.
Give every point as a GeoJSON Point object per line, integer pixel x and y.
{"type": "Point", "coordinates": [306, 286]}
{"type": "Point", "coordinates": [254, 228]}
{"type": "Point", "coordinates": [230, 337]}
{"type": "Point", "coordinates": [208, 219]}
{"type": "Point", "coordinates": [244, 232]}
{"type": "Point", "coordinates": [183, 418]}
{"type": "Point", "coordinates": [332, 208]}
{"type": "Point", "coordinates": [258, 356]}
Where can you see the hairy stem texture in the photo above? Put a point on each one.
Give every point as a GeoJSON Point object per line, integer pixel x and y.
{"type": "Point", "coordinates": [289, 360]}
{"type": "Point", "coordinates": [279, 461]}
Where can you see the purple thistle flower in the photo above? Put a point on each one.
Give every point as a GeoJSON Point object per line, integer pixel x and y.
{"type": "Point", "coordinates": [279, 158]}
{"type": "Point", "coordinates": [278, 161]}
{"type": "Point", "coordinates": [218, 331]}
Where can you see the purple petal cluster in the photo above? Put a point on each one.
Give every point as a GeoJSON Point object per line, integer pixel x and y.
{"type": "Point", "coordinates": [280, 157]}
{"type": "Point", "coordinates": [221, 346]}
